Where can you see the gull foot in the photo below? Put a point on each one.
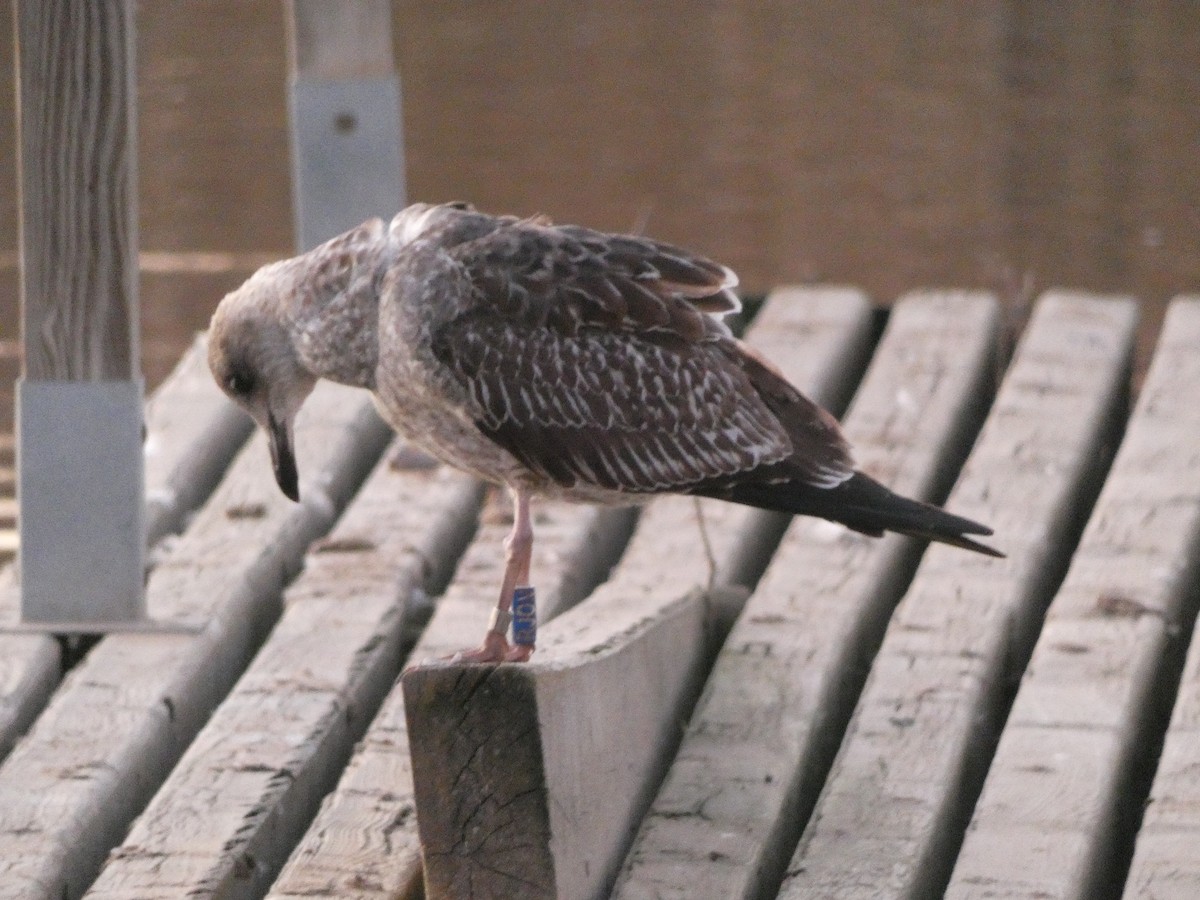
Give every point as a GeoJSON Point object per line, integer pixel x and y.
{"type": "Point", "coordinates": [494, 649]}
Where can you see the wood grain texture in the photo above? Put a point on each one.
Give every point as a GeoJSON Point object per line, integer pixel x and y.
{"type": "Point", "coordinates": [763, 735]}
{"type": "Point", "coordinates": [192, 432]}
{"type": "Point", "coordinates": [246, 789]}
{"type": "Point", "coordinates": [526, 777]}
{"type": "Point", "coordinates": [890, 817]}
{"type": "Point", "coordinates": [598, 710]}
{"type": "Point", "coordinates": [1165, 863]}
{"type": "Point", "coordinates": [1063, 791]}
{"type": "Point", "coordinates": [126, 713]}
{"type": "Point", "coordinates": [78, 190]}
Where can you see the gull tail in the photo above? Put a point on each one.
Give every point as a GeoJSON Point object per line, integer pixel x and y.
{"type": "Point", "coordinates": [864, 505]}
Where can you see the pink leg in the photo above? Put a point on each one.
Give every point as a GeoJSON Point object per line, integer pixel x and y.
{"type": "Point", "coordinates": [518, 548]}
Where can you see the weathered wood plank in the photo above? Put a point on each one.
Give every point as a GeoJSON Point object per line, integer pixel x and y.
{"type": "Point", "coordinates": [1166, 865]}
{"type": "Point", "coordinates": [538, 790]}
{"type": "Point", "coordinates": [1165, 862]}
{"type": "Point", "coordinates": [247, 787]}
{"type": "Point", "coordinates": [891, 814]}
{"type": "Point", "coordinates": [30, 668]}
{"type": "Point", "coordinates": [192, 432]}
{"type": "Point", "coordinates": [1056, 813]}
{"type": "Point", "coordinates": [531, 784]}
{"type": "Point", "coordinates": [125, 714]}
{"type": "Point", "coordinates": [764, 733]}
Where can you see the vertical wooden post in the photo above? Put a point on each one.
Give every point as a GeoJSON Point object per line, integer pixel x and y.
{"type": "Point", "coordinates": [80, 397]}
{"type": "Point", "coordinates": [347, 150]}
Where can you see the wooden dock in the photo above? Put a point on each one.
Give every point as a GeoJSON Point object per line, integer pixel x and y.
{"type": "Point", "coordinates": [723, 703]}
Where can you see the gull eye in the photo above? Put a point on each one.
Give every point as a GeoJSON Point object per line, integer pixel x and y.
{"type": "Point", "coordinates": [239, 384]}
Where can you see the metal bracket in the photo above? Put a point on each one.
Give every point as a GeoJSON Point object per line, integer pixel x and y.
{"type": "Point", "coordinates": [347, 153]}
{"type": "Point", "coordinates": [82, 555]}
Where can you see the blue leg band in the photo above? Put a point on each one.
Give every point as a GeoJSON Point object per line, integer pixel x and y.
{"type": "Point", "coordinates": [524, 616]}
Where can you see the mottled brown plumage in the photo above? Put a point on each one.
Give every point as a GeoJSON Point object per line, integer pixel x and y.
{"type": "Point", "coordinates": [554, 359]}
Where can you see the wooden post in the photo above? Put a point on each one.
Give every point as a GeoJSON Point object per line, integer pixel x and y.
{"type": "Point", "coordinates": [347, 151]}
{"type": "Point", "coordinates": [80, 397]}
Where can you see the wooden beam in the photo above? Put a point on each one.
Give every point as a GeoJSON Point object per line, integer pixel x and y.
{"type": "Point", "coordinates": [893, 810]}
{"type": "Point", "coordinates": [80, 398]}
{"type": "Point", "coordinates": [348, 39]}
{"type": "Point", "coordinates": [347, 146]}
{"type": "Point", "coordinates": [78, 176]}
{"type": "Point", "coordinates": [758, 745]}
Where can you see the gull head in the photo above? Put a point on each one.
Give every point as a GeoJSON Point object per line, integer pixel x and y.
{"type": "Point", "coordinates": [254, 360]}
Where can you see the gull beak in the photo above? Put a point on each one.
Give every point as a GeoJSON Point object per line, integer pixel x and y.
{"type": "Point", "coordinates": [282, 458]}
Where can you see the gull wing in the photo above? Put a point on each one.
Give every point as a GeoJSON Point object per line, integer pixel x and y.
{"type": "Point", "coordinates": [596, 358]}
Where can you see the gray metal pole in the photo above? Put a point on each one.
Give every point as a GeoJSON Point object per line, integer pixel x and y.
{"type": "Point", "coordinates": [79, 421]}
{"type": "Point", "coordinates": [347, 147]}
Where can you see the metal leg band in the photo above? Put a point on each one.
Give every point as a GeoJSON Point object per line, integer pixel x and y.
{"type": "Point", "coordinates": [498, 624]}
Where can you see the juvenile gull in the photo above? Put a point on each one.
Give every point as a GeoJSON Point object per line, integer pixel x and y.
{"type": "Point", "coordinates": [555, 360]}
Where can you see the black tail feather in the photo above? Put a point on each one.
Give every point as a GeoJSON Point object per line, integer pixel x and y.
{"type": "Point", "coordinates": [864, 505]}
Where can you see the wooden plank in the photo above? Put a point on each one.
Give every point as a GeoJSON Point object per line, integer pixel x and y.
{"type": "Point", "coordinates": [243, 793]}
{"type": "Point", "coordinates": [764, 733]}
{"type": "Point", "coordinates": [557, 759]}
{"type": "Point", "coordinates": [1095, 697]}
{"type": "Point", "coordinates": [78, 171]}
{"type": "Point", "coordinates": [192, 432]}
{"type": "Point", "coordinates": [890, 818]}
{"type": "Point", "coordinates": [1165, 863]}
{"type": "Point", "coordinates": [30, 667]}
{"type": "Point", "coordinates": [125, 714]}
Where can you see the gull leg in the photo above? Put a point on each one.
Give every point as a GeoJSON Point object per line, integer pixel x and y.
{"type": "Point", "coordinates": [518, 548]}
